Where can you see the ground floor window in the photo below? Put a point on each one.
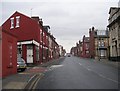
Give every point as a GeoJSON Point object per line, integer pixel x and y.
{"type": "Point", "coordinates": [37, 53]}
{"type": "Point", "coordinates": [19, 51]}
{"type": "Point", "coordinates": [10, 52]}
{"type": "Point", "coordinates": [103, 53]}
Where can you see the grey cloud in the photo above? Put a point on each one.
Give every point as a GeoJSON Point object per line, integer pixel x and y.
{"type": "Point", "coordinates": [69, 20]}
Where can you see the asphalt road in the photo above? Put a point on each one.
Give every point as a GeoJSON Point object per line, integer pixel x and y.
{"type": "Point", "coordinates": [78, 73]}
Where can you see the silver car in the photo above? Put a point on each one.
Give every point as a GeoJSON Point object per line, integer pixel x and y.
{"type": "Point", "coordinates": [21, 65]}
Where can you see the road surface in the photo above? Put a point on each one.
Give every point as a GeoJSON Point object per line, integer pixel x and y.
{"type": "Point", "coordinates": [78, 73]}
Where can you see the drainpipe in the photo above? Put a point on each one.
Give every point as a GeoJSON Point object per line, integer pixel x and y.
{"type": "Point", "coordinates": [116, 50]}
{"type": "Point", "coordinates": [42, 45]}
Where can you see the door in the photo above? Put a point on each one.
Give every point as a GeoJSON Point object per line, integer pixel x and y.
{"type": "Point", "coordinates": [29, 53]}
{"type": "Point", "coordinates": [102, 53]}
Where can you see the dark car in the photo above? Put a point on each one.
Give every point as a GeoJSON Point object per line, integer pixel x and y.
{"type": "Point", "coordinates": [69, 55]}
{"type": "Point", "coordinates": [21, 65]}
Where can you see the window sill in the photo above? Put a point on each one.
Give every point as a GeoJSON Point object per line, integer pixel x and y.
{"type": "Point", "coordinates": [11, 27]}
{"type": "Point", "coordinates": [17, 26]}
{"type": "Point", "coordinates": [10, 66]}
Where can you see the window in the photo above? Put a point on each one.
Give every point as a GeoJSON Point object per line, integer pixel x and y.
{"type": "Point", "coordinates": [12, 22]}
{"type": "Point", "coordinates": [40, 35]}
{"type": "Point", "coordinates": [37, 53]}
{"type": "Point", "coordinates": [17, 21]}
{"type": "Point", "coordinates": [43, 38]}
{"type": "Point", "coordinates": [19, 51]}
{"type": "Point", "coordinates": [10, 53]}
{"type": "Point", "coordinates": [43, 34]}
{"type": "Point", "coordinates": [47, 37]}
{"type": "Point", "coordinates": [99, 44]}
{"type": "Point", "coordinates": [102, 44]}
{"type": "Point", "coordinates": [87, 52]}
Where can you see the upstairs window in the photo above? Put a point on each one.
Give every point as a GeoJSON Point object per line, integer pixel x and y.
{"type": "Point", "coordinates": [40, 35]}
{"type": "Point", "coordinates": [43, 34]}
{"type": "Point", "coordinates": [102, 44]}
{"type": "Point", "coordinates": [12, 22]}
{"type": "Point", "coordinates": [43, 38]}
{"type": "Point", "coordinates": [17, 21]}
{"type": "Point", "coordinates": [99, 43]}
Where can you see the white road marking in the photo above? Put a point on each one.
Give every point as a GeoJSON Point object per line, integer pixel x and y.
{"type": "Point", "coordinates": [107, 78]}
{"type": "Point", "coordinates": [35, 67]}
{"type": "Point", "coordinates": [99, 74]}
{"type": "Point", "coordinates": [80, 64]}
{"type": "Point", "coordinates": [55, 66]}
{"type": "Point", "coordinates": [88, 69]}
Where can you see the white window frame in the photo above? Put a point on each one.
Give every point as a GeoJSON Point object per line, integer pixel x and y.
{"type": "Point", "coordinates": [12, 23]}
{"type": "Point", "coordinates": [17, 21]}
{"type": "Point", "coordinates": [43, 38]}
{"type": "Point", "coordinates": [40, 35]}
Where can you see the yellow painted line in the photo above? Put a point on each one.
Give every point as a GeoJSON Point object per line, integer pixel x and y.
{"type": "Point", "coordinates": [24, 73]}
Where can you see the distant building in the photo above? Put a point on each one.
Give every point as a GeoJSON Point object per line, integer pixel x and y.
{"type": "Point", "coordinates": [114, 33]}
{"type": "Point", "coordinates": [61, 50]}
{"type": "Point", "coordinates": [74, 51]}
{"type": "Point", "coordinates": [86, 47]}
{"type": "Point", "coordinates": [99, 43]}
{"type": "Point", "coordinates": [92, 42]}
{"type": "Point", "coordinates": [80, 48]}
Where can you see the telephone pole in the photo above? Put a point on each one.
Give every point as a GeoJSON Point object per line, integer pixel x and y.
{"type": "Point", "coordinates": [31, 11]}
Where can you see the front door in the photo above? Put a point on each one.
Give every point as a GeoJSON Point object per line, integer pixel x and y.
{"type": "Point", "coordinates": [29, 53]}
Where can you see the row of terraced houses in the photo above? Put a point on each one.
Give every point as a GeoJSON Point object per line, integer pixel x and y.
{"type": "Point", "coordinates": [102, 44]}
{"type": "Point", "coordinates": [26, 37]}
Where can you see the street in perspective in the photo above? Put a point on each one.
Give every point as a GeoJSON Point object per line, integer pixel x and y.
{"type": "Point", "coordinates": [60, 45]}
{"type": "Point", "coordinates": [78, 73]}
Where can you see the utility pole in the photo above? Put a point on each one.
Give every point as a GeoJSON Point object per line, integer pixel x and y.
{"type": "Point", "coordinates": [31, 11]}
{"type": "Point", "coordinates": [119, 3]}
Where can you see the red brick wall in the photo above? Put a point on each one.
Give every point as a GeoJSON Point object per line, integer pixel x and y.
{"type": "Point", "coordinates": [92, 44]}
{"type": "Point", "coordinates": [8, 40]}
{"type": "Point", "coordinates": [24, 52]}
{"type": "Point", "coordinates": [84, 54]}
{"type": "Point", "coordinates": [29, 29]}
{"type": "Point", "coordinates": [0, 53]}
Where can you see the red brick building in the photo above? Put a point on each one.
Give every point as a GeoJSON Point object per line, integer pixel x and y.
{"type": "Point", "coordinates": [33, 37]}
{"type": "Point", "coordinates": [99, 43]}
{"type": "Point", "coordinates": [92, 42]}
{"type": "Point", "coordinates": [0, 52]}
{"type": "Point", "coordinates": [73, 51]}
{"type": "Point", "coordinates": [28, 32]}
{"type": "Point", "coordinates": [8, 55]}
{"type": "Point", "coordinates": [86, 47]}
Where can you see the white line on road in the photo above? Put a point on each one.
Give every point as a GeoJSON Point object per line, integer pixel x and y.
{"type": "Point", "coordinates": [107, 78]}
{"type": "Point", "coordinates": [88, 69]}
{"type": "Point", "coordinates": [99, 74]}
{"type": "Point", "coordinates": [80, 64]}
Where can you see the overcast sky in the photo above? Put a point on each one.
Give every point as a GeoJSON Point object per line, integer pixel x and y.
{"type": "Point", "coordinates": [69, 19]}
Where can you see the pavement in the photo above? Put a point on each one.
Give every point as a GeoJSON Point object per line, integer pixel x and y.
{"type": "Point", "coordinates": [108, 62]}
{"type": "Point", "coordinates": [22, 80]}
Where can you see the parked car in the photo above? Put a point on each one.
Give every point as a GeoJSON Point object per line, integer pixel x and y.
{"type": "Point", "coordinates": [21, 65]}
{"type": "Point", "coordinates": [69, 55]}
